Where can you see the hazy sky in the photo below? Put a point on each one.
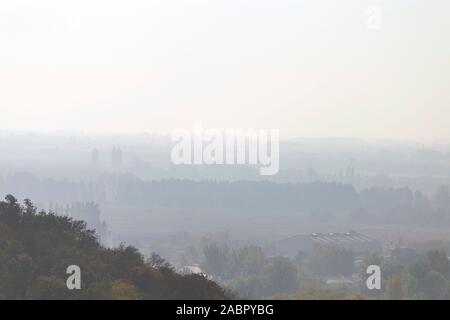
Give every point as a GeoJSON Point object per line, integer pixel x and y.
{"type": "Point", "coordinates": [306, 67]}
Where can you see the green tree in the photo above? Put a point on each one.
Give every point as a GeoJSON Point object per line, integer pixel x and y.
{"type": "Point", "coordinates": [394, 288]}
{"type": "Point", "coordinates": [281, 274]}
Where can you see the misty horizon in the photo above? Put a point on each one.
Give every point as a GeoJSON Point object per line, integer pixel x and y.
{"type": "Point", "coordinates": [310, 69]}
{"type": "Point", "coordinates": [231, 150]}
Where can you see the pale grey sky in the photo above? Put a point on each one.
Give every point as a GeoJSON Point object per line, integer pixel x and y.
{"type": "Point", "coordinates": [310, 68]}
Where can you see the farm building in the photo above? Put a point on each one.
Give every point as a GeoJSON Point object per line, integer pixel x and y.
{"type": "Point", "coordinates": [352, 240]}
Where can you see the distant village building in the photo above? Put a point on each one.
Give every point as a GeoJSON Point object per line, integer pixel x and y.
{"type": "Point", "coordinates": [355, 241]}
{"type": "Point", "coordinates": [343, 282]}
{"type": "Point", "coordinates": [193, 269]}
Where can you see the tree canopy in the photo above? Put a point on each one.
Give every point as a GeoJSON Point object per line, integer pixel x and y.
{"type": "Point", "coordinates": [37, 247]}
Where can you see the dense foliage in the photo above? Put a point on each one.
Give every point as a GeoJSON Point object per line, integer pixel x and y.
{"type": "Point", "coordinates": [36, 248]}
{"type": "Point", "coordinates": [329, 272]}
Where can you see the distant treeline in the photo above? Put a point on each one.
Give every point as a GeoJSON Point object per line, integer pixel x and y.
{"type": "Point", "coordinates": [239, 195]}
{"type": "Point", "coordinates": [375, 204]}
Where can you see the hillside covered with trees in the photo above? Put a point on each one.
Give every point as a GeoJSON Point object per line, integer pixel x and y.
{"type": "Point", "coordinates": [37, 247]}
